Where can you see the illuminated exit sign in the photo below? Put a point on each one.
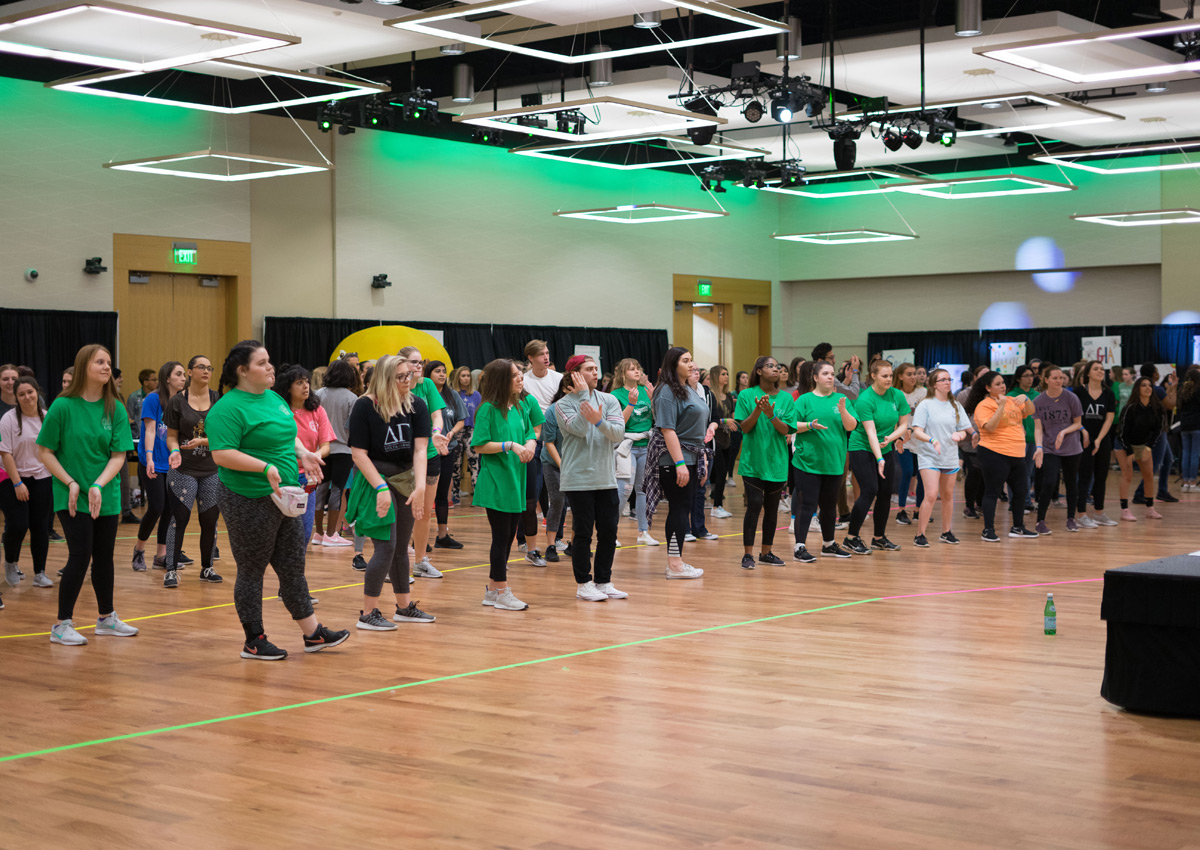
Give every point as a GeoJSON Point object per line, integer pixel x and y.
{"type": "Point", "coordinates": [704, 288]}
{"type": "Point", "coordinates": [185, 253]}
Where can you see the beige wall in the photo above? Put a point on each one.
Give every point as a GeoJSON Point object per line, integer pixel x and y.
{"type": "Point", "coordinates": [1180, 245]}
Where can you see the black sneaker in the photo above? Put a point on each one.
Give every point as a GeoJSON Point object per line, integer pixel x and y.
{"type": "Point", "coordinates": [446, 542]}
{"type": "Point", "coordinates": [884, 545]}
{"type": "Point", "coordinates": [1138, 499]}
{"type": "Point", "coordinates": [261, 649]}
{"type": "Point", "coordinates": [567, 551]}
{"type": "Point", "coordinates": [412, 614]}
{"type": "Point", "coordinates": [171, 579]}
{"type": "Point", "coordinates": [948, 537]}
{"type": "Point", "coordinates": [1004, 497]}
{"type": "Point", "coordinates": [428, 549]}
{"type": "Point", "coordinates": [210, 575]}
{"type": "Point", "coordinates": [184, 560]}
{"type": "Point", "coordinates": [324, 638]}
{"type": "Point", "coordinates": [989, 536]}
{"type": "Point", "coordinates": [1022, 531]}
{"type": "Point", "coordinates": [903, 518]}
{"type": "Point", "coordinates": [551, 556]}
{"type": "Point", "coordinates": [802, 555]}
{"type": "Point", "coordinates": [921, 542]}
{"type": "Point", "coordinates": [970, 513]}
{"type": "Point", "coordinates": [1165, 497]}
{"type": "Point", "coordinates": [845, 518]}
{"type": "Point", "coordinates": [55, 537]}
{"type": "Point", "coordinates": [216, 554]}
{"type": "Point", "coordinates": [855, 545]}
{"type": "Point", "coordinates": [771, 559]}
{"type": "Point", "coordinates": [834, 551]}
{"type": "Point", "coordinates": [359, 563]}
{"type": "Point", "coordinates": [747, 562]}
{"type": "Point", "coordinates": [128, 518]}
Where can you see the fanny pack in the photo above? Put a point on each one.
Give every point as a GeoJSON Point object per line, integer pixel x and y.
{"type": "Point", "coordinates": [291, 501]}
{"type": "Point", "coordinates": [403, 482]}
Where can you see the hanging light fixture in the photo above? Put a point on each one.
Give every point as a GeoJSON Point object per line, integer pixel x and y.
{"type": "Point", "coordinates": [647, 20]}
{"type": "Point", "coordinates": [968, 17]}
{"type": "Point", "coordinates": [455, 49]}
{"type": "Point", "coordinates": [464, 83]}
{"type": "Point", "coordinates": [1157, 87]}
{"type": "Point", "coordinates": [791, 37]}
{"type": "Point", "coordinates": [600, 69]}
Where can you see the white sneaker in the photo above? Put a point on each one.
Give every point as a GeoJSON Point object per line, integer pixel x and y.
{"type": "Point", "coordinates": [617, 543]}
{"type": "Point", "coordinates": [814, 524]}
{"type": "Point", "coordinates": [1087, 522]}
{"type": "Point", "coordinates": [611, 592]}
{"type": "Point", "coordinates": [12, 574]}
{"type": "Point", "coordinates": [561, 545]}
{"type": "Point", "coordinates": [838, 525]}
{"type": "Point", "coordinates": [425, 569]}
{"type": "Point", "coordinates": [646, 540]}
{"type": "Point", "coordinates": [591, 593]}
{"type": "Point", "coordinates": [792, 525]}
{"type": "Point", "coordinates": [65, 634]}
{"type": "Point", "coordinates": [522, 547]}
{"type": "Point", "coordinates": [721, 513]}
{"type": "Point", "coordinates": [1103, 519]}
{"type": "Point", "coordinates": [785, 505]}
{"type": "Point", "coordinates": [505, 601]}
{"type": "Point", "coordinates": [42, 580]}
{"type": "Point", "coordinates": [112, 625]}
{"type": "Point", "coordinates": [689, 538]}
{"type": "Point", "coordinates": [489, 597]}
{"type": "Point", "coordinates": [625, 512]}
{"type": "Point", "coordinates": [688, 571]}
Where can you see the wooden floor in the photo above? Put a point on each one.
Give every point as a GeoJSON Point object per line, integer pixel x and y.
{"type": "Point", "coordinates": [731, 712]}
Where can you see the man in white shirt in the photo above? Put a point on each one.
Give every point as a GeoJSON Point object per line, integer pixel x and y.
{"type": "Point", "coordinates": [541, 381]}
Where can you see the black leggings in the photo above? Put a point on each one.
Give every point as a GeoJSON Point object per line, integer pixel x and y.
{"type": "Point", "coordinates": [32, 516]}
{"type": "Point", "coordinates": [441, 501]}
{"type": "Point", "coordinates": [722, 470]}
{"type": "Point", "coordinates": [528, 528]}
{"type": "Point", "coordinates": [1093, 477]}
{"type": "Point", "coordinates": [156, 493]}
{"type": "Point", "coordinates": [973, 479]}
{"type": "Point", "coordinates": [504, 529]}
{"type": "Point", "coordinates": [599, 510]}
{"type": "Point", "coordinates": [872, 490]}
{"type": "Point", "coordinates": [760, 496]}
{"type": "Point", "coordinates": [998, 470]}
{"type": "Point", "coordinates": [203, 492]}
{"type": "Point", "coordinates": [1051, 464]}
{"type": "Point", "coordinates": [679, 506]}
{"type": "Point", "coordinates": [88, 541]}
{"type": "Point", "coordinates": [391, 556]}
{"type": "Point", "coordinates": [818, 495]}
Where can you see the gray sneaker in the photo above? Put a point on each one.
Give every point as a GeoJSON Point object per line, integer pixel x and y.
{"type": "Point", "coordinates": [505, 601]}
{"type": "Point", "coordinates": [1102, 519]}
{"type": "Point", "coordinates": [12, 574]}
{"type": "Point", "coordinates": [1086, 521]}
{"type": "Point", "coordinates": [534, 557]}
{"type": "Point", "coordinates": [65, 634]}
{"type": "Point", "coordinates": [171, 579]}
{"type": "Point", "coordinates": [489, 597]}
{"type": "Point", "coordinates": [112, 625]}
{"type": "Point", "coordinates": [375, 622]}
{"type": "Point", "coordinates": [424, 569]}
{"type": "Point", "coordinates": [412, 614]}
{"type": "Point", "coordinates": [42, 580]}
{"type": "Point", "coordinates": [139, 561]}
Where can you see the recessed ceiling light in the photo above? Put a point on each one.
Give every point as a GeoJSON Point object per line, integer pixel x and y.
{"type": "Point", "coordinates": [1087, 159]}
{"type": "Point", "coordinates": [991, 104]}
{"type": "Point", "coordinates": [222, 165]}
{"type": "Point", "coordinates": [1149, 218]}
{"type": "Point", "coordinates": [541, 120]}
{"type": "Point", "coordinates": [642, 214]}
{"type": "Point", "coordinates": [844, 237]}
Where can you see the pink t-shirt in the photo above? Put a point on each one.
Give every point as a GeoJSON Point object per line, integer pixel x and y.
{"type": "Point", "coordinates": [313, 428]}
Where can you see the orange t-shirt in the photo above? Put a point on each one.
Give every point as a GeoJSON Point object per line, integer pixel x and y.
{"type": "Point", "coordinates": [1009, 436]}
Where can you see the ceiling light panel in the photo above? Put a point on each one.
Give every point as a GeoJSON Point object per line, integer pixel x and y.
{"type": "Point", "coordinates": [642, 214]}
{"type": "Point", "coordinates": [1132, 159]}
{"type": "Point", "coordinates": [440, 24]}
{"type": "Point", "coordinates": [968, 188]}
{"type": "Point", "coordinates": [1023, 112]}
{"type": "Point", "coordinates": [844, 237]}
{"type": "Point", "coordinates": [608, 118]}
{"type": "Point", "coordinates": [111, 35]}
{"type": "Point", "coordinates": [842, 184]}
{"type": "Point", "coordinates": [276, 87]}
{"type": "Point", "coordinates": [1149, 218]}
{"type": "Point", "coordinates": [1104, 56]}
{"type": "Point", "coordinates": [220, 166]}
{"type": "Point", "coordinates": [656, 151]}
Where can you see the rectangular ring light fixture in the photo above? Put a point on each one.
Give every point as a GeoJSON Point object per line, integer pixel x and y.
{"type": "Point", "coordinates": [1080, 114]}
{"type": "Point", "coordinates": [842, 184]}
{"type": "Point", "coordinates": [338, 88]}
{"type": "Point", "coordinates": [844, 237]}
{"type": "Point", "coordinates": [1057, 51]}
{"type": "Point", "coordinates": [642, 214]}
{"type": "Point", "coordinates": [638, 119]}
{"type": "Point", "coordinates": [664, 147]}
{"type": "Point", "coordinates": [1076, 159]}
{"type": "Point", "coordinates": [427, 23]}
{"type": "Point", "coordinates": [269, 166]}
{"type": "Point", "coordinates": [981, 187]}
{"type": "Point", "coordinates": [1149, 218]}
{"type": "Point", "coordinates": [128, 38]}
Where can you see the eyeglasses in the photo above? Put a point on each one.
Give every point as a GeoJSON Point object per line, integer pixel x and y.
{"type": "Point", "coordinates": [946, 379]}
{"type": "Point", "coordinates": [404, 376]}
{"type": "Point", "coordinates": [202, 368]}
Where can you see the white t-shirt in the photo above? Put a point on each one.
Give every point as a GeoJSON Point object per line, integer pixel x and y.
{"type": "Point", "coordinates": [23, 446]}
{"type": "Point", "coordinates": [939, 419]}
{"type": "Point", "coordinates": [916, 397]}
{"type": "Point", "coordinates": [543, 388]}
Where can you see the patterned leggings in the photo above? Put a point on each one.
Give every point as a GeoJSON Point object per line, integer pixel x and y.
{"type": "Point", "coordinates": [202, 492]}
{"type": "Point", "coordinates": [464, 440]}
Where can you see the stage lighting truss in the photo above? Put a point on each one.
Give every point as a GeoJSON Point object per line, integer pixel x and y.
{"type": "Point", "coordinates": [1148, 218]}
{"type": "Point", "coordinates": [223, 166]}
{"type": "Point", "coordinates": [448, 25]}
{"type": "Point", "coordinates": [843, 184]}
{"type": "Point", "coordinates": [1108, 160]}
{"type": "Point", "coordinates": [845, 237]}
{"type": "Point", "coordinates": [128, 38]}
{"type": "Point", "coordinates": [786, 98]}
{"type": "Point", "coordinates": [654, 151]}
{"type": "Point", "coordinates": [901, 117]}
{"type": "Point", "coordinates": [626, 119]}
{"type": "Point", "coordinates": [642, 214]}
{"type": "Point", "coordinates": [339, 88]}
{"type": "Point", "coordinates": [968, 188]}
{"type": "Point", "coordinates": [1062, 56]}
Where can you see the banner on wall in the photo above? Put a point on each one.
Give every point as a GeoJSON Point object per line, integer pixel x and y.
{"type": "Point", "coordinates": [592, 351]}
{"type": "Point", "coordinates": [1164, 369]}
{"type": "Point", "coordinates": [1106, 349]}
{"type": "Point", "coordinates": [896, 356]}
{"type": "Point", "coordinates": [956, 372]}
{"type": "Point", "coordinates": [1007, 356]}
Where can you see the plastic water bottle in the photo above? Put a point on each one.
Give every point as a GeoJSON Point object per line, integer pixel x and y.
{"type": "Point", "coordinates": [1050, 616]}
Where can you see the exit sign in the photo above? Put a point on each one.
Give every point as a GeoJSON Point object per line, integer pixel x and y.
{"type": "Point", "coordinates": [185, 253]}
{"type": "Point", "coordinates": [704, 288]}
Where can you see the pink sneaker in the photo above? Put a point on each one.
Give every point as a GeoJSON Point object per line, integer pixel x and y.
{"type": "Point", "coordinates": [317, 539]}
{"type": "Point", "coordinates": [335, 540]}
{"type": "Point", "coordinates": [1127, 515]}
{"type": "Point", "coordinates": [1151, 513]}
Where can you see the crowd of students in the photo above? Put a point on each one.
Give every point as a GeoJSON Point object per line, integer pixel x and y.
{"type": "Point", "coordinates": [288, 458]}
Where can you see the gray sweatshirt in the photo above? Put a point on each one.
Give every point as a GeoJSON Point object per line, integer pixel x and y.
{"type": "Point", "coordinates": [587, 449]}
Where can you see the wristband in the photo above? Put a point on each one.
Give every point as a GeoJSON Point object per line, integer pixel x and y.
{"type": "Point", "coordinates": [879, 460]}
{"type": "Point", "coordinates": [96, 486]}
{"type": "Point", "coordinates": [680, 462]}
{"type": "Point", "coordinates": [1036, 447]}
{"type": "Point", "coordinates": [173, 452]}
{"type": "Point", "coordinates": [381, 487]}
{"type": "Point", "coordinates": [812, 424]}
{"type": "Point", "coordinates": [504, 447]}
{"type": "Point", "coordinates": [437, 430]}
{"type": "Point", "coordinates": [268, 468]}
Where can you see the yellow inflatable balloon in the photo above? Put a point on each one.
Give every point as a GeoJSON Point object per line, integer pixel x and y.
{"type": "Point", "coordinates": [373, 343]}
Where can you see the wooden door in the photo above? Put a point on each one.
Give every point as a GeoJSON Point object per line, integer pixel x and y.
{"type": "Point", "coordinates": [172, 318]}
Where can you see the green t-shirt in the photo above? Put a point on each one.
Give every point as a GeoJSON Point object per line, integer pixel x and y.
{"type": "Point", "coordinates": [427, 392]}
{"type": "Point", "coordinates": [262, 426]}
{"type": "Point", "coordinates": [501, 481]}
{"type": "Point", "coordinates": [641, 420]}
{"type": "Point", "coordinates": [821, 452]}
{"type": "Point", "coordinates": [884, 410]}
{"type": "Point", "coordinates": [83, 439]}
{"type": "Point", "coordinates": [1031, 394]}
{"type": "Point", "coordinates": [764, 450]}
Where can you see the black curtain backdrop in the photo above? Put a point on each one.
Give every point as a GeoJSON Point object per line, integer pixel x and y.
{"type": "Point", "coordinates": [311, 341]}
{"type": "Point", "coordinates": [1139, 343]}
{"type": "Point", "coordinates": [48, 340]}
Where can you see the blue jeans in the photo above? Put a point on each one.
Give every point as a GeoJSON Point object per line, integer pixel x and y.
{"type": "Point", "coordinates": [638, 459]}
{"type": "Point", "coordinates": [310, 513]}
{"type": "Point", "coordinates": [1191, 454]}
